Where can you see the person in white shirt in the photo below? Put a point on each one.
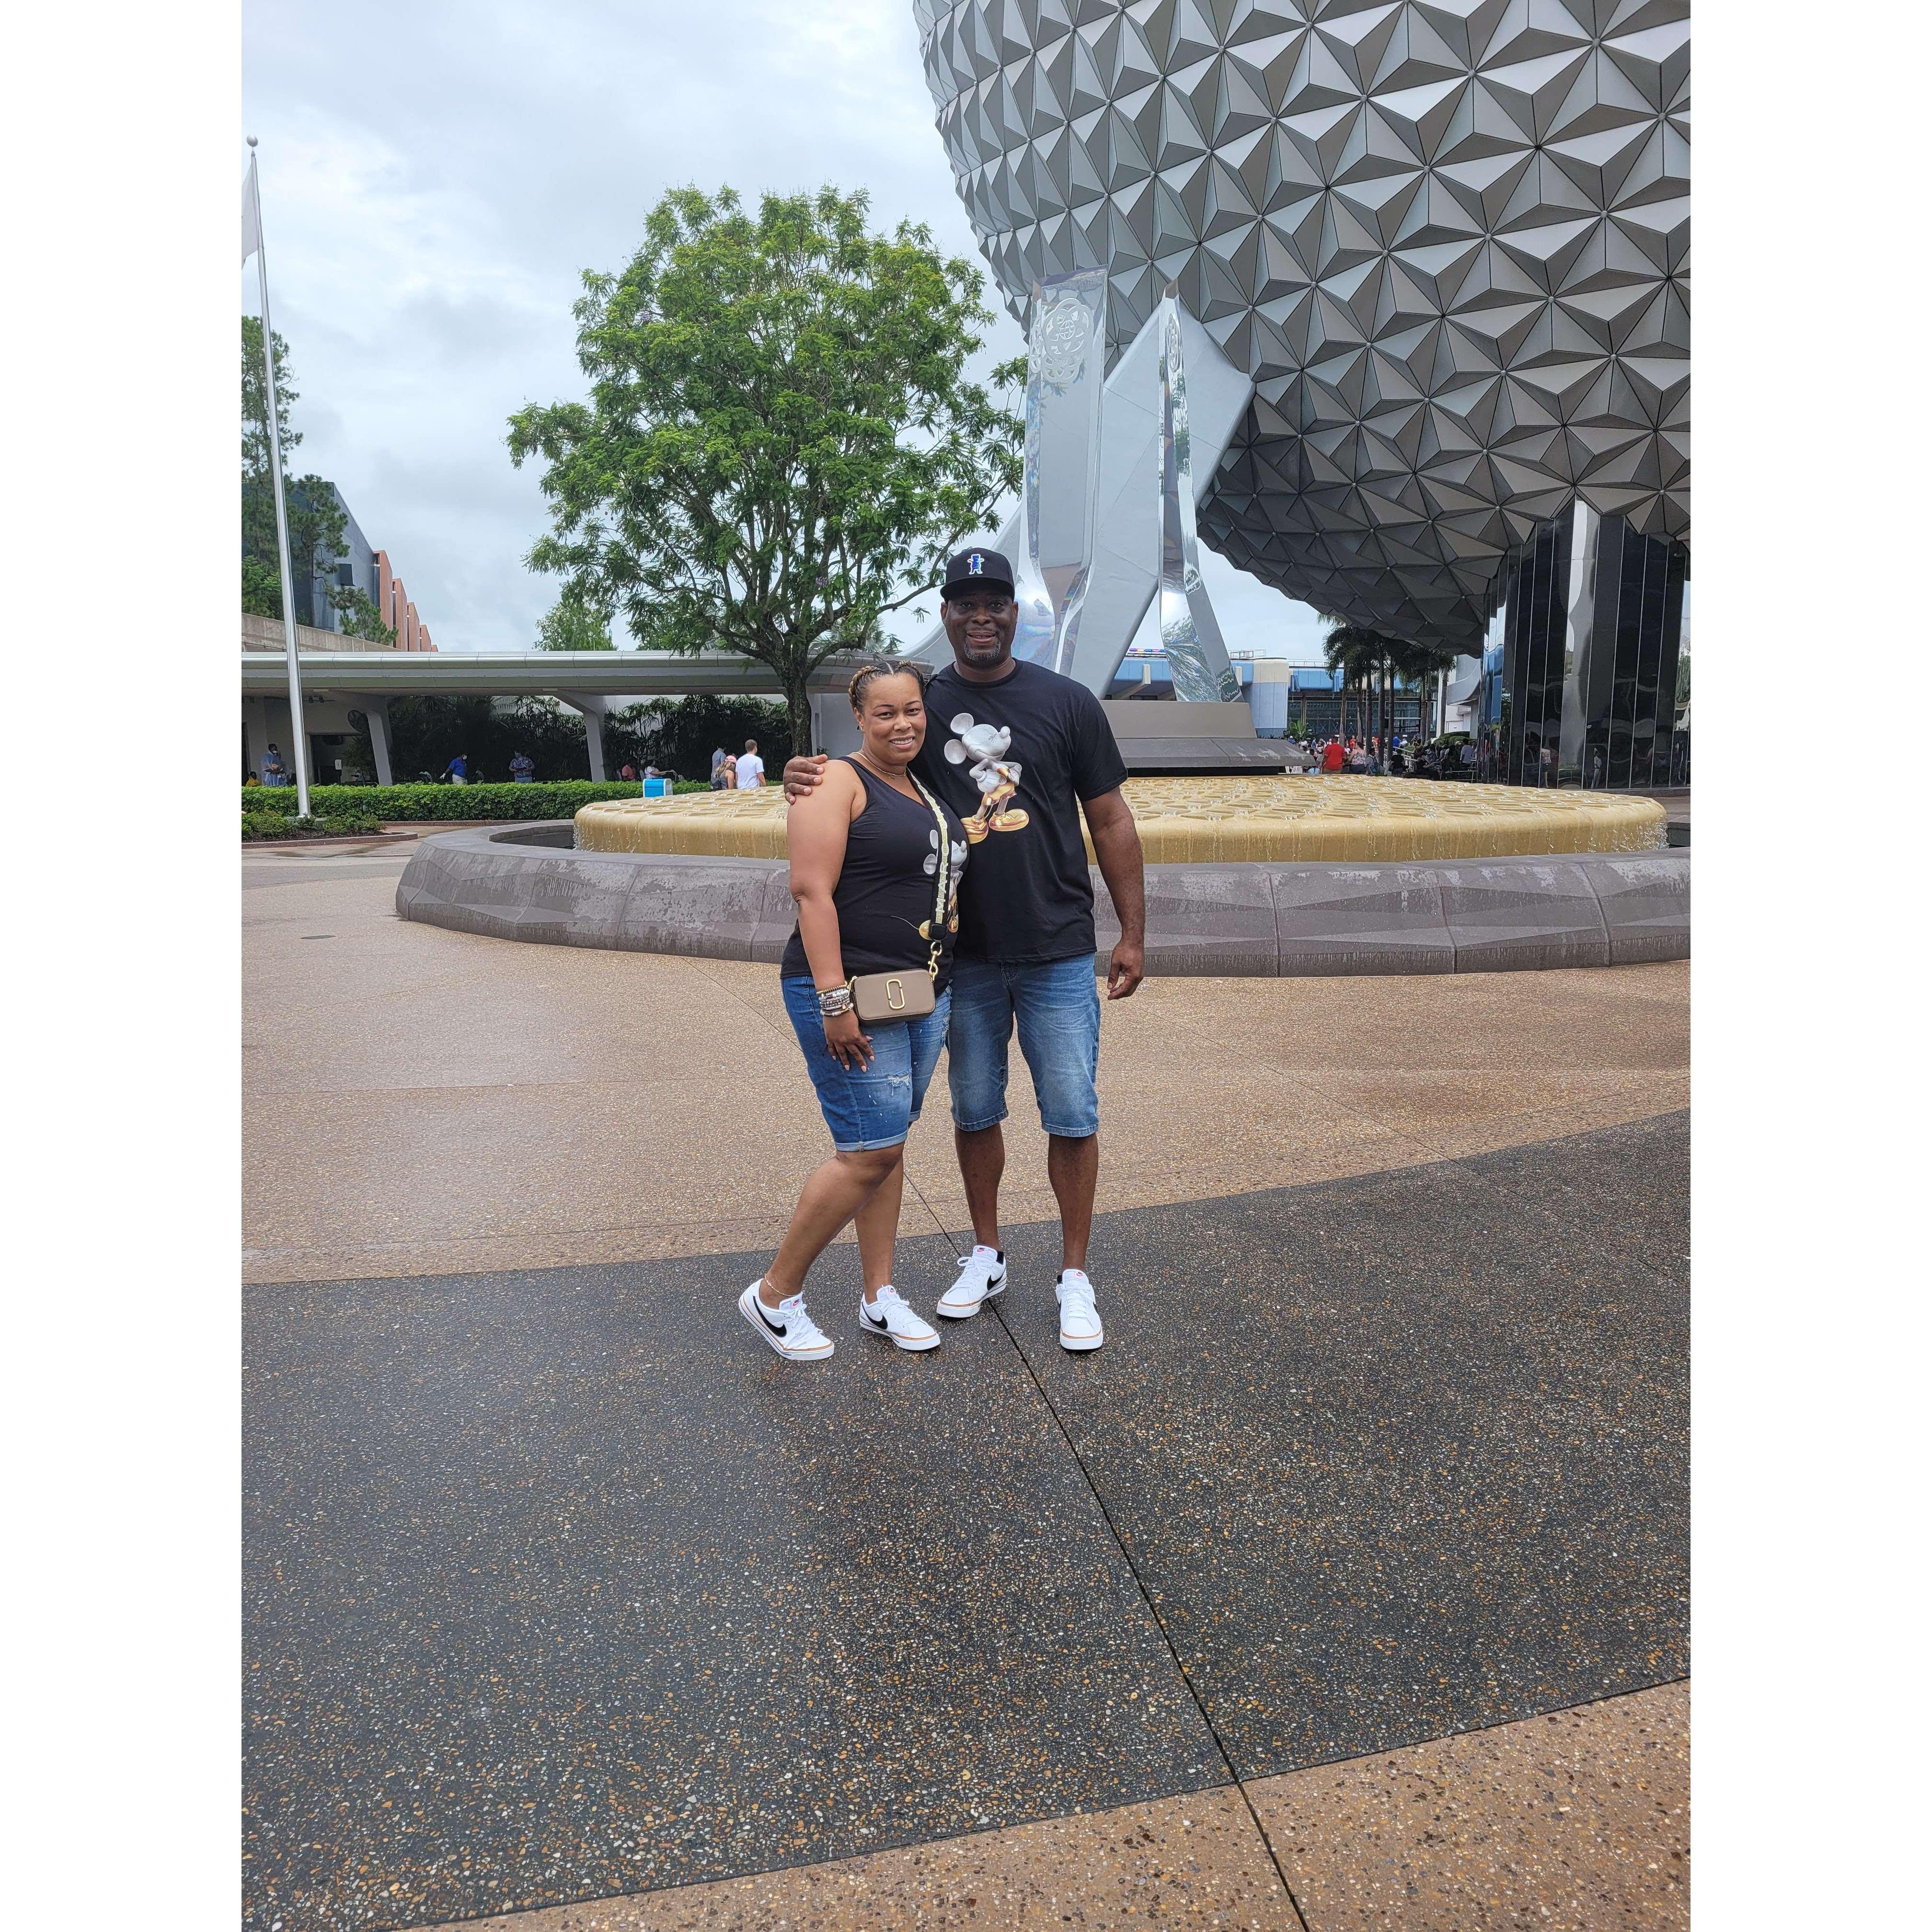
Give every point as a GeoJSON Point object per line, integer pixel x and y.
{"type": "Point", "coordinates": [751, 767]}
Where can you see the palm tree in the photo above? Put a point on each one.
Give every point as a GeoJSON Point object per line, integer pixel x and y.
{"type": "Point", "coordinates": [1361, 653]}
{"type": "Point", "coordinates": [1353, 650]}
{"type": "Point", "coordinates": [1418, 664]}
{"type": "Point", "coordinates": [1377, 658]}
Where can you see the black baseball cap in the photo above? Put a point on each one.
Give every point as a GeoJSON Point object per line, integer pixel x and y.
{"type": "Point", "coordinates": [977, 570]}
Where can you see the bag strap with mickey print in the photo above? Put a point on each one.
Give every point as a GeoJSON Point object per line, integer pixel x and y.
{"type": "Point", "coordinates": [943, 875]}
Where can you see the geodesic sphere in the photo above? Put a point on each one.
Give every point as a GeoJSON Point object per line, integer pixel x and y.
{"type": "Point", "coordinates": [1449, 241]}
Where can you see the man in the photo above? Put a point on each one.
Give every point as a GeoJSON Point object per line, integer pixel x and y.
{"type": "Point", "coordinates": [717, 770]}
{"type": "Point", "coordinates": [1019, 753]}
{"type": "Point", "coordinates": [457, 770]}
{"type": "Point", "coordinates": [1332, 755]}
{"type": "Point", "coordinates": [751, 767]}
{"type": "Point", "coordinates": [274, 771]}
{"type": "Point", "coordinates": [523, 768]}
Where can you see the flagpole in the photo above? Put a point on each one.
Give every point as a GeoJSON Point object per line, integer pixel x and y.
{"type": "Point", "coordinates": [297, 724]}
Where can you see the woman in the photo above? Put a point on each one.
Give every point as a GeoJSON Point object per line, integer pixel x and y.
{"type": "Point", "coordinates": [875, 866]}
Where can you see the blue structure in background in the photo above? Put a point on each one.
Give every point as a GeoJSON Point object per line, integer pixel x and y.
{"type": "Point", "coordinates": [1310, 695]}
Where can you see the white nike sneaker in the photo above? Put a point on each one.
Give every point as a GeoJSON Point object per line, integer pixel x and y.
{"type": "Point", "coordinates": [787, 1327]}
{"type": "Point", "coordinates": [892, 1316]}
{"type": "Point", "coordinates": [982, 1275]}
{"type": "Point", "coordinates": [1080, 1328]}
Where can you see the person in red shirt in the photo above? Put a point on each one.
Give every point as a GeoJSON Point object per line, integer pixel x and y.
{"type": "Point", "coordinates": [1332, 755]}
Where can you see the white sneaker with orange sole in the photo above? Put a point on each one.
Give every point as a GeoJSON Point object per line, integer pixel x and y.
{"type": "Point", "coordinates": [982, 1276]}
{"type": "Point", "coordinates": [890, 1314]}
{"type": "Point", "coordinates": [1080, 1328]}
{"type": "Point", "coordinates": [787, 1327]}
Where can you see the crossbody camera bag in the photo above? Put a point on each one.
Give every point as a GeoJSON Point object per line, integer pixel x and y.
{"type": "Point", "coordinates": [910, 994]}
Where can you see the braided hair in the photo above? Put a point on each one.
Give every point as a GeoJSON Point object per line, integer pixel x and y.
{"type": "Point", "coordinates": [878, 667]}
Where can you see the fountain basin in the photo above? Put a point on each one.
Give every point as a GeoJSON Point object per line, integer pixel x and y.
{"type": "Point", "coordinates": [1232, 920]}
{"type": "Point", "coordinates": [1251, 819]}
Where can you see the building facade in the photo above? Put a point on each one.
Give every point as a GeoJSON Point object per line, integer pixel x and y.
{"type": "Point", "coordinates": [354, 568]}
{"type": "Point", "coordinates": [1583, 690]}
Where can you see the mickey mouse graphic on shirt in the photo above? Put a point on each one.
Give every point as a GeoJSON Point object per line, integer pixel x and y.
{"type": "Point", "coordinates": [997, 777]}
{"type": "Point", "coordinates": [956, 855]}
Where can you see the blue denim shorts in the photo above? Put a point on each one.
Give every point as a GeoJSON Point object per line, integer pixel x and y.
{"type": "Point", "coordinates": [875, 1108]}
{"type": "Point", "coordinates": [1057, 1008]}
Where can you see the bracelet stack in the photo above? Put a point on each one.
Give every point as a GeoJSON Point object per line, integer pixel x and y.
{"type": "Point", "coordinates": [834, 1001]}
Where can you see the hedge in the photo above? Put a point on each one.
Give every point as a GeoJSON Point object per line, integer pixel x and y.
{"type": "Point", "coordinates": [410, 801]}
{"type": "Point", "coordinates": [276, 825]}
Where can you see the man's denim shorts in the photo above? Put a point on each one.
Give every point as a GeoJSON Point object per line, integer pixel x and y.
{"type": "Point", "coordinates": [875, 1108]}
{"type": "Point", "coordinates": [1056, 1006]}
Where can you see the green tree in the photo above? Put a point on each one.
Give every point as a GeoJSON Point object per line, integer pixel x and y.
{"type": "Point", "coordinates": [780, 445]}
{"type": "Point", "coordinates": [258, 501]}
{"type": "Point", "coordinates": [317, 526]}
{"type": "Point", "coordinates": [360, 617]}
{"type": "Point", "coordinates": [1374, 659]}
{"type": "Point", "coordinates": [572, 624]}
{"type": "Point", "coordinates": [681, 737]}
{"type": "Point", "coordinates": [318, 534]}
{"type": "Point", "coordinates": [261, 588]}
{"type": "Point", "coordinates": [1683, 677]}
{"type": "Point", "coordinates": [1417, 665]}
{"type": "Point", "coordinates": [426, 733]}
{"type": "Point", "coordinates": [1357, 651]}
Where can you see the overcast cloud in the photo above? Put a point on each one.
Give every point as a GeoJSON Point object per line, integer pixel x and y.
{"type": "Point", "coordinates": [435, 179]}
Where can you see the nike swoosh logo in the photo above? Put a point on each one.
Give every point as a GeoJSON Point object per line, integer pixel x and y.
{"type": "Point", "coordinates": [776, 1327]}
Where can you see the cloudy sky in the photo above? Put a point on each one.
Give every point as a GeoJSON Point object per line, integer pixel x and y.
{"type": "Point", "coordinates": [436, 177]}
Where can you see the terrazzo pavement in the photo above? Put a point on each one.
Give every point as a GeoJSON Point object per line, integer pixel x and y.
{"type": "Point", "coordinates": [402, 1060]}
{"type": "Point", "coordinates": [1195, 1860]}
{"type": "Point", "coordinates": [1383, 1486]}
{"type": "Point", "coordinates": [1576, 1821]}
{"type": "Point", "coordinates": [563, 1584]}
{"type": "Point", "coordinates": [559, 1587]}
{"type": "Point", "coordinates": [464, 1475]}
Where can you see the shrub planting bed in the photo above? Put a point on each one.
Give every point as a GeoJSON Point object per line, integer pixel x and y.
{"type": "Point", "coordinates": [410, 803]}
{"type": "Point", "coordinates": [278, 825]}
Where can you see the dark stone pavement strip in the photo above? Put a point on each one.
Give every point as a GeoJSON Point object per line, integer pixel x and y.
{"type": "Point", "coordinates": [1400, 1456]}
{"type": "Point", "coordinates": [561, 1584]}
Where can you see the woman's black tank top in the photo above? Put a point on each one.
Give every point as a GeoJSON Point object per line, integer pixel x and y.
{"type": "Point", "coordinates": [887, 885]}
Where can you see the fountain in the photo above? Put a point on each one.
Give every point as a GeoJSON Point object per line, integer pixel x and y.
{"type": "Point", "coordinates": [1248, 875]}
{"type": "Point", "coordinates": [1242, 819]}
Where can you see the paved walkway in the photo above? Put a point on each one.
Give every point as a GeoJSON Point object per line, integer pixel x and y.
{"type": "Point", "coordinates": [1345, 1587]}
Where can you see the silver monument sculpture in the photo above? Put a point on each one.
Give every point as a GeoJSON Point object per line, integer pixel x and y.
{"type": "Point", "coordinates": [1128, 457]}
{"type": "Point", "coordinates": [1066, 356]}
{"type": "Point", "coordinates": [1197, 655]}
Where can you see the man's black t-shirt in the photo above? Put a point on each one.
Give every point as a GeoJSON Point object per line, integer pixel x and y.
{"type": "Point", "coordinates": [1027, 895]}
